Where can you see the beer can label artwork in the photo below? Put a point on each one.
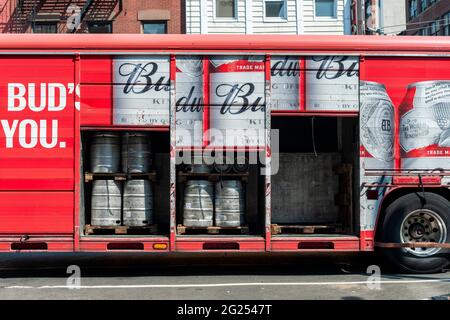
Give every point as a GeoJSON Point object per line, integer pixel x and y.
{"type": "Point", "coordinates": [284, 83]}
{"type": "Point", "coordinates": [377, 126]}
{"type": "Point", "coordinates": [141, 90]}
{"type": "Point", "coordinates": [332, 83]}
{"type": "Point", "coordinates": [425, 125]}
{"type": "Point", "coordinates": [189, 101]}
{"type": "Point", "coordinates": [237, 101]}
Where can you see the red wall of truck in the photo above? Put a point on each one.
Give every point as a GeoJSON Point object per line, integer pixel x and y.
{"type": "Point", "coordinates": [38, 165]}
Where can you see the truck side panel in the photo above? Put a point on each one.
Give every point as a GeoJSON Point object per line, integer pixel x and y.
{"type": "Point", "coordinates": [396, 74]}
{"type": "Point", "coordinates": [36, 212]}
{"type": "Point", "coordinates": [97, 91]}
{"type": "Point", "coordinates": [37, 144]}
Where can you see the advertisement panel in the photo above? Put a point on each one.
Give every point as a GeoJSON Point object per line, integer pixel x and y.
{"type": "Point", "coordinates": [189, 101]}
{"type": "Point", "coordinates": [237, 101]}
{"type": "Point", "coordinates": [285, 83]}
{"type": "Point", "coordinates": [425, 126]}
{"type": "Point", "coordinates": [37, 123]}
{"type": "Point", "coordinates": [419, 91]}
{"type": "Point", "coordinates": [141, 90]}
{"type": "Point", "coordinates": [332, 83]}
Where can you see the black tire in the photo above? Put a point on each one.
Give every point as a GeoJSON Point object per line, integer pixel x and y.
{"type": "Point", "coordinates": [391, 229]}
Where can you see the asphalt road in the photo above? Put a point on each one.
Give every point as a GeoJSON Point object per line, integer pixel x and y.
{"type": "Point", "coordinates": [137, 276]}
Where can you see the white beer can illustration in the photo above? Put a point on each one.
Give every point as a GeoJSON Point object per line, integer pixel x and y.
{"type": "Point", "coordinates": [237, 101]}
{"type": "Point", "coordinates": [141, 90]}
{"type": "Point", "coordinates": [376, 126]}
{"type": "Point", "coordinates": [332, 83]}
{"type": "Point", "coordinates": [285, 83]}
{"type": "Point", "coordinates": [425, 126]}
{"type": "Point", "coordinates": [189, 101]}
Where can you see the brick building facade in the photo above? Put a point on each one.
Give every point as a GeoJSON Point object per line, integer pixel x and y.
{"type": "Point", "coordinates": [92, 16]}
{"type": "Point", "coordinates": [428, 17]}
{"type": "Point", "coordinates": [137, 13]}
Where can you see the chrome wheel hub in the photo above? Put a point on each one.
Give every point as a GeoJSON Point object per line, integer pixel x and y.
{"type": "Point", "coordinates": [423, 225]}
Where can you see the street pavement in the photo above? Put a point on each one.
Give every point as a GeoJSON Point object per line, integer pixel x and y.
{"type": "Point", "coordinates": [216, 276]}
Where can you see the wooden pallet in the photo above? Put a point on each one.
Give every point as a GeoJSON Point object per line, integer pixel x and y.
{"type": "Point", "coordinates": [301, 229]}
{"type": "Point", "coordinates": [344, 199]}
{"type": "Point", "coordinates": [89, 176]}
{"type": "Point", "coordinates": [90, 229]}
{"type": "Point", "coordinates": [181, 229]}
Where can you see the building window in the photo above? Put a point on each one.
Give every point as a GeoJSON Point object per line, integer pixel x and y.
{"type": "Point", "coordinates": [226, 9]}
{"type": "Point", "coordinates": [412, 8]}
{"type": "Point", "coordinates": [425, 31]}
{"type": "Point", "coordinates": [423, 5]}
{"type": "Point", "coordinates": [434, 28]}
{"type": "Point", "coordinates": [325, 8]}
{"type": "Point", "coordinates": [276, 9]}
{"type": "Point", "coordinates": [44, 27]}
{"type": "Point", "coordinates": [100, 27]}
{"type": "Point", "coordinates": [154, 27]}
{"type": "Point", "coordinates": [446, 24]}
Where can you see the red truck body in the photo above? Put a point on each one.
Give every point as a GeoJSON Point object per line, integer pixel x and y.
{"type": "Point", "coordinates": [55, 87]}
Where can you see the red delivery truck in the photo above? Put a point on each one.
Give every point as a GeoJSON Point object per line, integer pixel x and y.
{"type": "Point", "coordinates": [193, 143]}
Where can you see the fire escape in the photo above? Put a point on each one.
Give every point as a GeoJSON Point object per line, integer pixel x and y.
{"type": "Point", "coordinates": [20, 16]}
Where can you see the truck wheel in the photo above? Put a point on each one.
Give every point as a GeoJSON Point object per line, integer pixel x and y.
{"type": "Point", "coordinates": [418, 217]}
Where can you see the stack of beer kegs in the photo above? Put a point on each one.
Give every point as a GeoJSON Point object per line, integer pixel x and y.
{"type": "Point", "coordinates": [134, 150]}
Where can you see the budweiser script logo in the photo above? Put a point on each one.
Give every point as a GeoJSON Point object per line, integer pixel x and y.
{"type": "Point", "coordinates": [285, 68]}
{"type": "Point", "coordinates": [139, 78]}
{"type": "Point", "coordinates": [189, 103]}
{"type": "Point", "coordinates": [334, 67]}
{"type": "Point", "coordinates": [236, 98]}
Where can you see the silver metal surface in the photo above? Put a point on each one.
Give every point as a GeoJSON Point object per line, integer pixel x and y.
{"type": "Point", "coordinates": [223, 167]}
{"type": "Point", "coordinates": [106, 203]}
{"type": "Point", "coordinates": [241, 165]}
{"type": "Point", "coordinates": [138, 203]}
{"type": "Point", "coordinates": [198, 203]}
{"type": "Point", "coordinates": [105, 152]}
{"type": "Point", "coordinates": [136, 152]}
{"type": "Point", "coordinates": [229, 203]}
{"type": "Point", "coordinates": [200, 164]}
{"type": "Point", "coordinates": [423, 225]}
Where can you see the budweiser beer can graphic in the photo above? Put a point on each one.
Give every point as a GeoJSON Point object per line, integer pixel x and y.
{"type": "Point", "coordinates": [332, 83]}
{"type": "Point", "coordinates": [376, 126]}
{"type": "Point", "coordinates": [141, 90]}
{"type": "Point", "coordinates": [284, 83]}
{"type": "Point", "coordinates": [237, 101]}
{"type": "Point", "coordinates": [376, 147]}
{"type": "Point", "coordinates": [189, 101]}
{"type": "Point", "coordinates": [425, 126]}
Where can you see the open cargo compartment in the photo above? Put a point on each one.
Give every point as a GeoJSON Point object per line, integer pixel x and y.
{"type": "Point", "coordinates": [315, 189]}
{"type": "Point", "coordinates": [156, 176]}
{"type": "Point", "coordinates": [226, 190]}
